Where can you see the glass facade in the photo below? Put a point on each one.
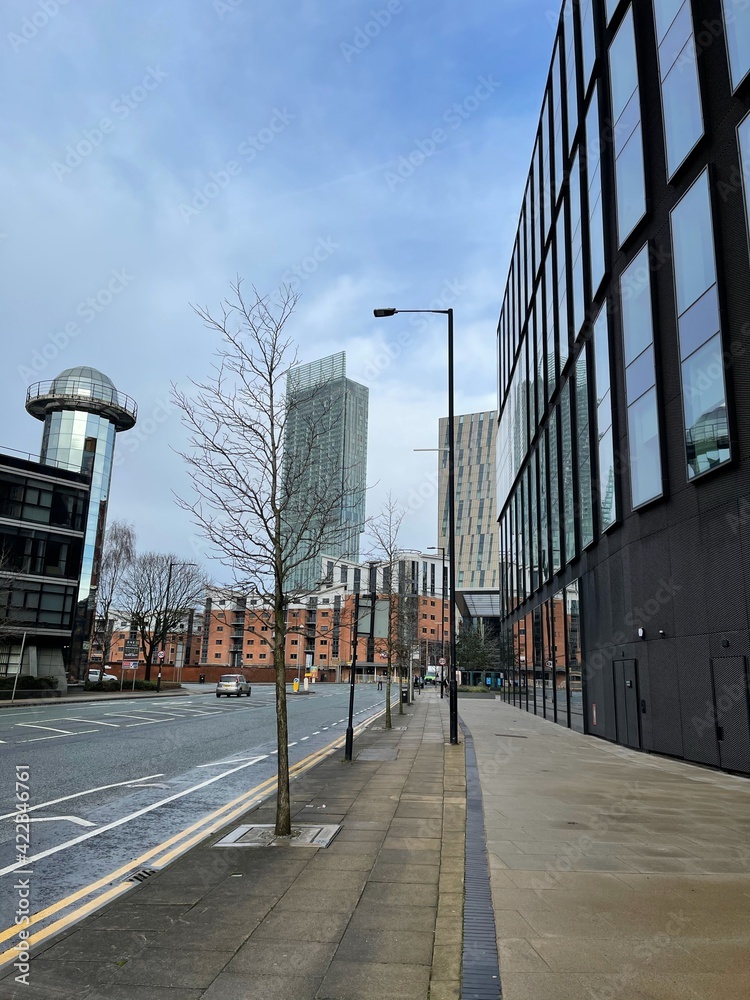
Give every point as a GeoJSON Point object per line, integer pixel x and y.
{"type": "Point", "coordinates": [743, 141]}
{"type": "Point", "coordinates": [640, 381]}
{"type": "Point", "coordinates": [585, 483]}
{"type": "Point", "coordinates": [588, 41]}
{"type": "Point", "coordinates": [737, 34]}
{"type": "Point", "coordinates": [604, 408]}
{"type": "Point", "coordinates": [678, 71]}
{"type": "Point", "coordinates": [630, 185]}
{"type": "Point", "coordinates": [704, 395]}
{"type": "Point", "coordinates": [596, 209]}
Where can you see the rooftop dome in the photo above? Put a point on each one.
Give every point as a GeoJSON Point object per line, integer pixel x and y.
{"type": "Point", "coordinates": [83, 388]}
{"type": "Point", "coordinates": [84, 372]}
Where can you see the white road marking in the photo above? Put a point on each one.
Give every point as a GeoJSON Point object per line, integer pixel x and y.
{"type": "Point", "coordinates": [316, 733]}
{"type": "Point", "coordinates": [95, 722]}
{"type": "Point", "coordinates": [88, 791]}
{"type": "Point", "coordinates": [54, 819]}
{"type": "Point", "coordinates": [38, 739]}
{"type": "Point", "coordinates": [292, 744]}
{"type": "Point", "coordinates": [51, 729]}
{"type": "Point", "coordinates": [118, 822]}
{"type": "Point", "coordinates": [303, 738]}
{"type": "Point", "coordinates": [324, 728]}
{"type": "Point", "coordinates": [234, 760]}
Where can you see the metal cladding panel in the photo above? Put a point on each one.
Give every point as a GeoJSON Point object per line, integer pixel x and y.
{"type": "Point", "coordinates": [696, 700]}
{"type": "Point", "coordinates": [726, 597]}
{"type": "Point", "coordinates": [687, 579]}
{"type": "Point", "coordinates": [666, 719]}
{"type": "Point", "coordinates": [732, 712]}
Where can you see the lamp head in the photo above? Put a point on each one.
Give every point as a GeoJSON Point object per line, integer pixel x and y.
{"type": "Point", "coordinates": [380, 313]}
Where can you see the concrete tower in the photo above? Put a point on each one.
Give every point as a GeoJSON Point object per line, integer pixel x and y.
{"type": "Point", "coordinates": [82, 411]}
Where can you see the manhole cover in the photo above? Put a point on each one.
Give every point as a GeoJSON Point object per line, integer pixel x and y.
{"type": "Point", "coordinates": [383, 754]}
{"type": "Point", "coordinates": [262, 835]}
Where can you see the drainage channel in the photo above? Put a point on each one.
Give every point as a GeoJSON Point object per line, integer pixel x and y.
{"type": "Point", "coordinates": [480, 975]}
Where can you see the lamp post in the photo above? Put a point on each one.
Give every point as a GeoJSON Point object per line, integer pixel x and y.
{"type": "Point", "coordinates": [162, 654]}
{"type": "Point", "coordinates": [441, 550]}
{"type": "Point", "coordinates": [453, 689]}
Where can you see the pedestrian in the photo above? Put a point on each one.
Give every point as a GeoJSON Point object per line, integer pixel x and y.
{"type": "Point", "coordinates": [380, 682]}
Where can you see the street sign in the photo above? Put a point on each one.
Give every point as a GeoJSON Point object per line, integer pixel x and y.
{"type": "Point", "coordinates": [130, 666]}
{"type": "Point", "coordinates": [441, 661]}
{"type": "Point", "coordinates": [160, 655]}
{"type": "Point", "coordinates": [131, 649]}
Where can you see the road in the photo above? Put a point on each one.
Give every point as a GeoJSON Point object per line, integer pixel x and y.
{"type": "Point", "coordinates": [112, 782]}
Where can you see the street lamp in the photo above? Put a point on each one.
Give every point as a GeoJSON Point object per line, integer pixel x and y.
{"type": "Point", "coordinates": [453, 689]}
{"type": "Point", "coordinates": [162, 655]}
{"type": "Point", "coordinates": [441, 550]}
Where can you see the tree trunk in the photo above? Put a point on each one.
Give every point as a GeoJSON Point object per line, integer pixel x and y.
{"type": "Point", "coordinates": [388, 723]}
{"type": "Point", "coordinates": [283, 804]}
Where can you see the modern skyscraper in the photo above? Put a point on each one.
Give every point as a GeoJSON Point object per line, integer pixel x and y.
{"type": "Point", "coordinates": [326, 440]}
{"type": "Point", "coordinates": [82, 411]}
{"type": "Point", "coordinates": [476, 507]}
{"type": "Point", "coordinates": [624, 421]}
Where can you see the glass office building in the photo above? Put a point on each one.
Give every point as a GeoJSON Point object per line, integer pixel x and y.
{"type": "Point", "coordinates": [325, 463]}
{"type": "Point", "coordinates": [82, 411]}
{"type": "Point", "coordinates": [624, 369]}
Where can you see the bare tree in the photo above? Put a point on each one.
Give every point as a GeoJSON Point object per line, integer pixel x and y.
{"type": "Point", "coordinates": [384, 528]}
{"type": "Point", "coordinates": [265, 509]}
{"type": "Point", "coordinates": [118, 554]}
{"type": "Point", "coordinates": [156, 592]}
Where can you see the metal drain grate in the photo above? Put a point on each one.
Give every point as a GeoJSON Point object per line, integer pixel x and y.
{"type": "Point", "coordinates": [480, 972]}
{"type": "Point", "coordinates": [141, 875]}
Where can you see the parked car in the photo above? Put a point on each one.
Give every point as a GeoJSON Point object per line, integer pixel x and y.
{"type": "Point", "coordinates": [230, 684]}
{"type": "Point", "coordinates": [96, 675]}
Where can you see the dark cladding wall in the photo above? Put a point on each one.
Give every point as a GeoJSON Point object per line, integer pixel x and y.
{"type": "Point", "coordinates": [678, 567]}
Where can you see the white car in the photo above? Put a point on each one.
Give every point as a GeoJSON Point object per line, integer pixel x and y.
{"type": "Point", "coordinates": [230, 684]}
{"type": "Point", "coordinates": [96, 675]}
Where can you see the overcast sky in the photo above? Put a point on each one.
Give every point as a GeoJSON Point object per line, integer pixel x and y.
{"type": "Point", "coordinates": [154, 150]}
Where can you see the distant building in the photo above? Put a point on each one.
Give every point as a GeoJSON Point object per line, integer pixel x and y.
{"type": "Point", "coordinates": [326, 437]}
{"type": "Point", "coordinates": [43, 512]}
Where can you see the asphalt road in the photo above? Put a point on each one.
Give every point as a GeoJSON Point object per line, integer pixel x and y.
{"type": "Point", "coordinates": [107, 781]}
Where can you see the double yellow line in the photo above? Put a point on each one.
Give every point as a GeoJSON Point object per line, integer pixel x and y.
{"type": "Point", "coordinates": [163, 854]}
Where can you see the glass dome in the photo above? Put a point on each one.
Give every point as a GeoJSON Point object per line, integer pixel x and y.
{"type": "Point", "coordinates": [84, 381]}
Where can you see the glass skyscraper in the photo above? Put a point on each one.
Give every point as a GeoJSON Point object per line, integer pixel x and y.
{"type": "Point", "coordinates": [325, 452]}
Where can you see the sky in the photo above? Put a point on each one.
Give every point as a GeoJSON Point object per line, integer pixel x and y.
{"type": "Point", "coordinates": [371, 153]}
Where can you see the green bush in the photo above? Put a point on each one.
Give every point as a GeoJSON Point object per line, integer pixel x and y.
{"type": "Point", "coordinates": [28, 683]}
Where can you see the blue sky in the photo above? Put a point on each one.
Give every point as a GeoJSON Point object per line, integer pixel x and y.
{"type": "Point", "coordinates": [152, 151]}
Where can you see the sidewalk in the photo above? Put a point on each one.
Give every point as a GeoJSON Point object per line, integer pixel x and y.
{"type": "Point", "coordinates": [376, 914]}
{"type": "Point", "coordinates": [85, 696]}
{"type": "Point", "coordinates": [615, 874]}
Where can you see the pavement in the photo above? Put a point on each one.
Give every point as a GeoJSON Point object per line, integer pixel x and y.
{"type": "Point", "coordinates": [612, 874]}
{"type": "Point", "coordinates": [73, 697]}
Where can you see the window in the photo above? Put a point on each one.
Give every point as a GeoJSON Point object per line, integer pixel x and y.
{"type": "Point", "coordinates": [612, 6]}
{"type": "Point", "coordinates": [630, 188]}
{"type": "Point", "coordinates": [546, 169]}
{"type": "Point", "coordinates": [704, 397]}
{"type": "Point", "coordinates": [586, 503]}
{"type": "Point", "coordinates": [554, 494]}
{"type": "Point", "coordinates": [743, 141]}
{"type": "Point", "coordinates": [640, 381]}
{"type": "Point", "coordinates": [219, 642]}
{"type": "Point", "coordinates": [217, 656]}
{"type": "Point", "coordinates": [219, 628]}
{"type": "Point", "coordinates": [568, 497]}
{"type": "Point", "coordinates": [262, 656]}
{"type": "Point", "coordinates": [737, 33]}
{"type": "Point", "coordinates": [551, 360]}
{"type": "Point", "coordinates": [562, 288]}
{"type": "Point", "coordinates": [678, 71]}
{"type": "Point", "coordinates": [576, 246]}
{"type": "Point", "coordinates": [594, 175]}
{"type": "Point", "coordinates": [543, 521]}
{"type": "Point", "coordinates": [571, 86]}
{"type": "Point", "coordinates": [557, 124]}
{"type": "Point", "coordinates": [588, 41]}
{"type": "Point", "coordinates": [606, 452]}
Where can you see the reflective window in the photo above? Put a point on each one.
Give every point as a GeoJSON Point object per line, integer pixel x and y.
{"type": "Point", "coordinates": [643, 442]}
{"type": "Point", "coordinates": [551, 363]}
{"type": "Point", "coordinates": [680, 89]}
{"type": "Point", "coordinates": [585, 486]}
{"type": "Point", "coordinates": [568, 497]}
{"type": "Point", "coordinates": [630, 191]}
{"type": "Point", "coordinates": [603, 395]}
{"type": "Point", "coordinates": [557, 122]}
{"type": "Point", "coordinates": [737, 34]}
{"type": "Point", "coordinates": [554, 493]}
{"type": "Point", "coordinates": [538, 200]}
{"type": "Point", "coordinates": [541, 390]}
{"type": "Point", "coordinates": [571, 85]}
{"type": "Point", "coordinates": [529, 241]}
{"type": "Point", "coordinates": [543, 507]}
{"type": "Point", "coordinates": [562, 288]}
{"type": "Point", "coordinates": [588, 41]}
{"type": "Point", "coordinates": [704, 397]}
{"type": "Point", "coordinates": [743, 140]}
{"type": "Point", "coordinates": [594, 173]}
{"type": "Point", "coordinates": [546, 168]}
{"type": "Point", "coordinates": [612, 6]}
{"type": "Point", "coordinates": [534, 524]}
{"type": "Point", "coordinates": [576, 246]}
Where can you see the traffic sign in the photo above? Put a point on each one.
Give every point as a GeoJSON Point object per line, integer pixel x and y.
{"type": "Point", "coordinates": [160, 655]}
{"type": "Point", "coordinates": [441, 661]}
